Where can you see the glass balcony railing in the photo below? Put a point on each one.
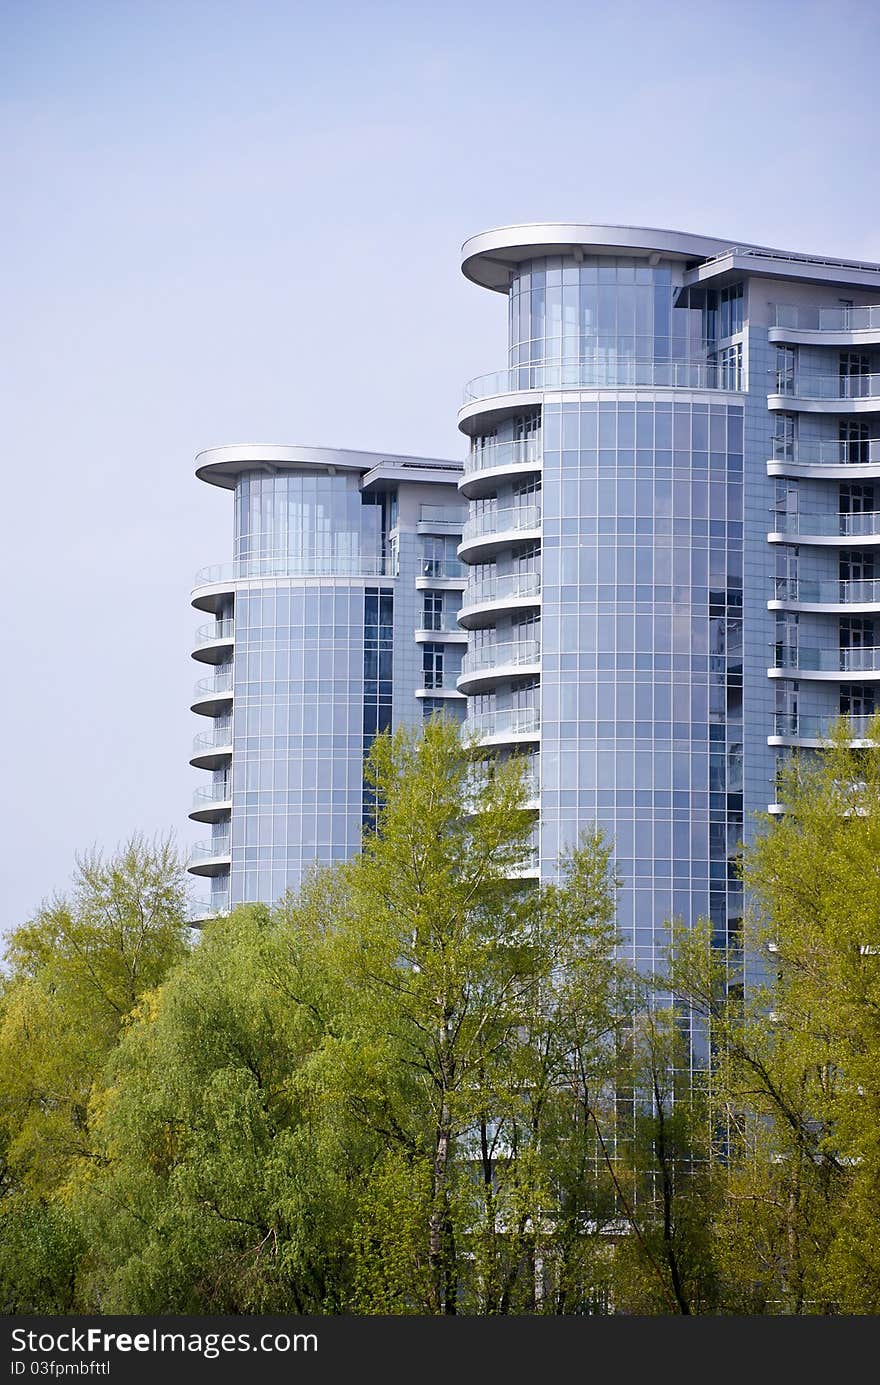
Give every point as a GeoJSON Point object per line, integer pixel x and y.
{"type": "Point", "coordinates": [287, 565]}
{"type": "Point", "coordinates": [859, 591]}
{"type": "Point", "coordinates": [216, 630]}
{"type": "Point", "coordinates": [841, 387]}
{"type": "Point", "coordinates": [441, 567]}
{"type": "Point", "coordinates": [450, 516]}
{"type": "Point", "coordinates": [512, 652]}
{"type": "Point", "coordinates": [444, 621]}
{"type": "Point", "coordinates": [858, 524]}
{"type": "Point", "coordinates": [827, 451]}
{"type": "Point", "coordinates": [214, 687]}
{"type": "Point", "coordinates": [514, 585]}
{"type": "Point", "coordinates": [860, 660]}
{"type": "Point", "coordinates": [518, 721]}
{"type": "Point", "coordinates": [597, 372]}
{"type": "Point", "coordinates": [216, 847]}
{"type": "Point", "coordinates": [815, 728]}
{"type": "Point", "coordinates": [207, 794]}
{"type": "Point", "coordinates": [835, 319]}
{"type": "Point", "coordinates": [524, 452]}
{"type": "Point", "coordinates": [220, 738]}
{"type": "Point", "coordinates": [495, 521]}
{"type": "Point", "coordinates": [478, 782]}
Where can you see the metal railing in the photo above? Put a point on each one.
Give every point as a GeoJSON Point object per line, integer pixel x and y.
{"type": "Point", "coordinates": [216, 630]}
{"type": "Point", "coordinates": [212, 793]}
{"type": "Point", "coordinates": [512, 652]}
{"type": "Point", "coordinates": [857, 591]}
{"type": "Point", "coordinates": [827, 451]}
{"type": "Point", "coordinates": [524, 452]}
{"type": "Point", "coordinates": [853, 524]}
{"type": "Point", "coordinates": [495, 521]}
{"type": "Point", "coordinates": [220, 738]}
{"type": "Point", "coordinates": [808, 386]}
{"type": "Point", "coordinates": [815, 728]}
{"type": "Point", "coordinates": [514, 585]}
{"type": "Point", "coordinates": [612, 371]}
{"type": "Point", "coordinates": [208, 687]}
{"type": "Point", "coordinates": [441, 567]}
{"type": "Point", "coordinates": [864, 659]}
{"type": "Point", "coordinates": [450, 516]}
{"type": "Point", "coordinates": [434, 623]}
{"type": "Point", "coordinates": [207, 851]}
{"type": "Point", "coordinates": [286, 565]}
{"type": "Point", "coordinates": [836, 319]}
{"type": "Point", "coordinates": [516, 721]}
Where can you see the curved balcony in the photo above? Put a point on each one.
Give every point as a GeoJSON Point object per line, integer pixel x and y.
{"type": "Point", "coordinates": [830, 665]}
{"type": "Point", "coordinates": [210, 858]}
{"type": "Point", "coordinates": [488, 465]}
{"type": "Point", "coordinates": [483, 602]}
{"type": "Point", "coordinates": [207, 909]}
{"type": "Point", "coordinates": [792, 728]}
{"type": "Point", "coordinates": [827, 459]}
{"type": "Point", "coordinates": [821, 326]}
{"type": "Point", "coordinates": [212, 749]}
{"type": "Point", "coordinates": [211, 803]}
{"type": "Point", "coordinates": [513, 726]}
{"type": "Point", "coordinates": [828, 394]}
{"type": "Point", "coordinates": [833, 598]}
{"type": "Point", "coordinates": [214, 641]}
{"type": "Point", "coordinates": [826, 530]}
{"type": "Point", "coordinates": [493, 663]}
{"type": "Point", "coordinates": [212, 697]}
{"type": "Point", "coordinates": [212, 585]}
{"type": "Point", "coordinates": [495, 529]}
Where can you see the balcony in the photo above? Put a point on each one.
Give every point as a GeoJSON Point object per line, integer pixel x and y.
{"type": "Point", "coordinates": [508, 727]}
{"type": "Point", "coordinates": [207, 909]}
{"type": "Point", "coordinates": [829, 596]}
{"type": "Point", "coordinates": [210, 858]}
{"type": "Point", "coordinates": [493, 529]}
{"type": "Point", "coordinates": [825, 326]}
{"type": "Point", "coordinates": [441, 519]}
{"type": "Point", "coordinates": [611, 372]}
{"type": "Point", "coordinates": [487, 465]}
{"type": "Point", "coordinates": [826, 458]}
{"type": "Point", "coordinates": [835, 394]}
{"type": "Point", "coordinates": [212, 749]}
{"type": "Point", "coordinates": [492, 663]}
{"type": "Point", "coordinates": [442, 627]}
{"type": "Point", "coordinates": [211, 802]}
{"type": "Point", "coordinates": [793, 728]}
{"type": "Point", "coordinates": [212, 697]}
{"type": "Point", "coordinates": [484, 601]}
{"type": "Point", "coordinates": [794, 661]}
{"type": "Point", "coordinates": [825, 529]}
{"type": "Point", "coordinates": [214, 641]}
{"type": "Point", "coordinates": [442, 573]}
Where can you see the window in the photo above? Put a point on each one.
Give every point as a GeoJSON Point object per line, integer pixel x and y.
{"type": "Point", "coordinates": [432, 665]}
{"type": "Point", "coordinates": [730, 367]}
{"type": "Point", "coordinates": [730, 310]}
{"type": "Point", "coordinates": [526, 556]}
{"type": "Point", "coordinates": [855, 440]}
{"type": "Point", "coordinates": [439, 557]}
{"type": "Point", "coordinates": [432, 611]}
{"type": "Point", "coordinates": [786, 369]}
{"type": "Point", "coordinates": [785, 436]}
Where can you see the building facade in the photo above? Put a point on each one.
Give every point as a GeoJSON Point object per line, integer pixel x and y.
{"type": "Point", "coordinates": [670, 542]}
{"type": "Point", "coordinates": [336, 619]}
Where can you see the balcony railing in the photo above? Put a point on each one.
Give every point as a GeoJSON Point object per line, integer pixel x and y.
{"type": "Point", "coordinates": [815, 728]}
{"type": "Point", "coordinates": [212, 793]}
{"type": "Point", "coordinates": [855, 524]}
{"type": "Point", "coordinates": [207, 851]}
{"type": "Point", "coordinates": [441, 567]}
{"type": "Point", "coordinates": [216, 630]}
{"type": "Point", "coordinates": [858, 660]}
{"type": "Point", "coordinates": [434, 622]}
{"type": "Point", "coordinates": [859, 591]}
{"type": "Point", "coordinates": [512, 586]}
{"type": "Point", "coordinates": [805, 386]}
{"type": "Point", "coordinates": [816, 319]}
{"type": "Point", "coordinates": [286, 565]}
{"type": "Point", "coordinates": [494, 521]}
{"type": "Point", "coordinates": [220, 738]}
{"type": "Point", "coordinates": [512, 652]}
{"type": "Point", "coordinates": [207, 687]}
{"type": "Point", "coordinates": [613, 371]}
{"type": "Point", "coordinates": [447, 515]}
{"type": "Point", "coordinates": [524, 452]}
{"type": "Point", "coordinates": [827, 451]}
{"type": "Point", "coordinates": [518, 721]}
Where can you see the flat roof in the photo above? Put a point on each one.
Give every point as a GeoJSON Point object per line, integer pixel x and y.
{"type": "Point", "coordinates": [220, 466]}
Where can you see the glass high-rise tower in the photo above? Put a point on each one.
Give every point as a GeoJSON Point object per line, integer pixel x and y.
{"type": "Point", "coordinates": [671, 539]}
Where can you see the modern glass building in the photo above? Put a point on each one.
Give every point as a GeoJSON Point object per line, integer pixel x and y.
{"type": "Point", "coordinates": [336, 619]}
{"type": "Point", "coordinates": [671, 541]}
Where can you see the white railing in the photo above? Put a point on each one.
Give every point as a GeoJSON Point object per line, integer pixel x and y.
{"type": "Point", "coordinates": [598, 372]}
{"type": "Point", "coordinates": [513, 586]}
{"type": "Point", "coordinates": [806, 386]}
{"type": "Point", "coordinates": [827, 451]}
{"type": "Point", "coordinates": [836, 319]}
{"type": "Point", "coordinates": [853, 524]}
{"type": "Point", "coordinates": [815, 728]}
{"type": "Point", "coordinates": [517, 721]}
{"type": "Point", "coordinates": [857, 591]}
{"type": "Point", "coordinates": [524, 452]}
{"type": "Point", "coordinates": [512, 652]}
{"type": "Point", "coordinates": [859, 660]}
{"type": "Point", "coordinates": [495, 521]}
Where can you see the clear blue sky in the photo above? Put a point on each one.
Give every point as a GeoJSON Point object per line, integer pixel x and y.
{"type": "Point", "coordinates": [228, 222]}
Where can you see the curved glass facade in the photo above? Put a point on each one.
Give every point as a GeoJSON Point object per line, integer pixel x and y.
{"type": "Point", "coordinates": [321, 523]}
